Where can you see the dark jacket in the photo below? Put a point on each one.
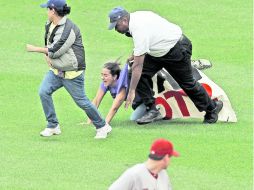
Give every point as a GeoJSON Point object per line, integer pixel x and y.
{"type": "Point", "coordinates": [65, 47]}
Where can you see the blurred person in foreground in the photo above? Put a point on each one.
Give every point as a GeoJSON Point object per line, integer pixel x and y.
{"type": "Point", "coordinates": [151, 174]}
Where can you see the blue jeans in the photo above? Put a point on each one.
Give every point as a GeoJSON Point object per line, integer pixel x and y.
{"type": "Point", "coordinates": [139, 112]}
{"type": "Point", "coordinates": [75, 87]}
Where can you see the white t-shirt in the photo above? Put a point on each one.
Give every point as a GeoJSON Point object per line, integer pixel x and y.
{"type": "Point", "coordinates": [152, 34]}
{"type": "Point", "coordinates": [139, 178]}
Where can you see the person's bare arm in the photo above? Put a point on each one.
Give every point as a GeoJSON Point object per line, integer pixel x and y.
{"type": "Point", "coordinates": [97, 100]}
{"type": "Point", "coordinates": [135, 76]}
{"type": "Point", "coordinates": [118, 101]}
{"type": "Point", "coordinates": [32, 48]}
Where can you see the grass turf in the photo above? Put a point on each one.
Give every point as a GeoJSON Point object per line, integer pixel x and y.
{"type": "Point", "coordinates": [212, 157]}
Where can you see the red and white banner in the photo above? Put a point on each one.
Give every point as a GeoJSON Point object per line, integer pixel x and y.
{"type": "Point", "coordinates": [174, 103]}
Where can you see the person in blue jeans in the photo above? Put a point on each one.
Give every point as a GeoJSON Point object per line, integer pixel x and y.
{"type": "Point", "coordinates": [65, 55]}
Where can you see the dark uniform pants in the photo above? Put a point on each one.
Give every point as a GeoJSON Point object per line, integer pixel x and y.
{"type": "Point", "coordinates": [178, 64]}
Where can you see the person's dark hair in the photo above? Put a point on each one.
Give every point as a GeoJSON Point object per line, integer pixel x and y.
{"type": "Point", "coordinates": [114, 68]}
{"type": "Point", "coordinates": [62, 12]}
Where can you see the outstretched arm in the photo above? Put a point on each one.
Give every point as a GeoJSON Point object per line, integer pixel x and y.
{"type": "Point", "coordinates": [135, 76]}
{"type": "Point", "coordinates": [32, 48]}
{"type": "Point", "coordinates": [97, 100]}
{"type": "Point", "coordinates": [118, 101]}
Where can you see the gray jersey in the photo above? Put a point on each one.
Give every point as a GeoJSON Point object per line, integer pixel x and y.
{"type": "Point", "coordinates": [139, 178]}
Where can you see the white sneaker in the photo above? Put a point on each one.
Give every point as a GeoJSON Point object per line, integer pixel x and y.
{"type": "Point", "coordinates": [102, 133]}
{"type": "Point", "coordinates": [47, 132]}
{"type": "Point", "coordinates": [201, 64]}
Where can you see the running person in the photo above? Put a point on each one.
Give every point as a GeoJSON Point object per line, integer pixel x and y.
{"type": "Point", "coordinates": [63, 46]}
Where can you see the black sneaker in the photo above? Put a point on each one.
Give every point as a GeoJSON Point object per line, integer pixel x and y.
{"type": "Point", "coordinates": [151, 116]}
{"type": "Point", "coordinates": [212, 116]}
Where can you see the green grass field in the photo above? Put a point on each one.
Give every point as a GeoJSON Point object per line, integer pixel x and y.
{"type": "Point", "coordinates": [217, 157]}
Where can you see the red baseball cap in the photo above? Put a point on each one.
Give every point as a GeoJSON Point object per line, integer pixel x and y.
{"type": "Point", "coordinates": [160, 148]}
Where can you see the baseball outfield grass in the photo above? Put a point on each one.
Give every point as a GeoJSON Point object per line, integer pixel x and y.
{"type": "Point", "coordinates": [217, 157]}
